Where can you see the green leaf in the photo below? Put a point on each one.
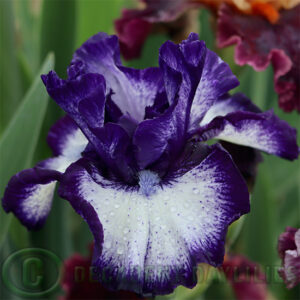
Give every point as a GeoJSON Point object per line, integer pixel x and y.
{"type": "Point", "coordinates": [27, 16]}
{"type": "Point", "coordinates": [58, 32]}
{"type": "Point", "coordinates": [19, 140]}
{"type": "Point", "coordinates": [18, 234]}
{"type": "Point", "coordinates": [276, 190]}
{"type": "Point", "coordinates": [260, 224]}
{"type": "Point", "coordinates": [95, 16]}
{"type": "Point", "coordinates": [258, 86]}
{"type": "Point", "coordinates": [10, 86]}
{"type": "Point", "coordinates": [150, 52]}
{"type": "Point", "coordinates": [206, 31]}
{"type": "Point", "coordinates": [260, 243]}
{"type": "Point", "coordinates": [234, 231]}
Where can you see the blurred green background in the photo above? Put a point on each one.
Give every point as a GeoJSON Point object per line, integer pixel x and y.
{"type": "Point", "coordinates": [30, 30]}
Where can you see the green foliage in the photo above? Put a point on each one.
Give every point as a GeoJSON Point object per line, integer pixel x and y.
{"type": "Point", "coordinates": [275, 199]}
{"type": "Point", "coordinates": [19, 140]}
{"type": "Point", "coordinates": [27, 34]}
{"type": "Point", "coordinates": [58, 34]}
{"type": "Point", "coordinates": [11, 92]}
{"type": "Point", "coordinates": [95, 16]}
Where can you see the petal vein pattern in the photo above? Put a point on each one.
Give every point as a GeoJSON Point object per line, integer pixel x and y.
{"type": "Point", "coordinates": [152, 244]}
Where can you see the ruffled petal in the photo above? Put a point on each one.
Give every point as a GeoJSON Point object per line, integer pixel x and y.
{"type": "Point", "coordinates": [98, 53]}
{"type": "Point", "coordinates": [29, 193]}
{"type": "Point", "coordinates": [82, 98]}
{"type": "Point", "coordinates": [263, 131]}
{"type": "Point", "coordinates": [165, 133]}
{"type": "Point", "coordinates": [132, 90]}
{"type": "Point", "coordinates": [290, 272]}
{"type": "Point", "coordinates": [286, 241]}
{"type": "Point", "coordinates": [190, 91]}
{"type": "Point", "coordinates": [29, 196]}
{"type": "Point", "coordinates": [260, 43]}
{"type": "Point", "coordinates": [143, 87]}
{"type": "Point", "coordinates": [245, 158]}
{"type": "Point", "coordinates": [205, 77]}
{"type": "Point", "coordinates": [182, 66]}
{"type": "Point", "coordinates": [152, 244]}
{"type": "Point", "coordinates": [216, 80]}
{"type": "Point", "coordinates": [289, 251]}
{"type": "Point", "coordinates": [116, 151]}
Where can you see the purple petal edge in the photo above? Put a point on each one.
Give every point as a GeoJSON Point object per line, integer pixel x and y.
{"type": "Point", "coordinates": [23, 186]}
{"type": "Point", "coordinates": [262, 131]}
{"type": "Point", "coordinates": [212, 253]}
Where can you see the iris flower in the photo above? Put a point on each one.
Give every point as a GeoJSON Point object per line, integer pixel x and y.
{"type": "Point", "coordinates": [246, 278]}
{"type": "Point", "coordinates": [262, 40]}
{"type": "Point", "coordinates": [264, 32]}
{"type": "Point", "coordinates": [131, 159]}
{"type": "Point", "coordinates": [289, 252]}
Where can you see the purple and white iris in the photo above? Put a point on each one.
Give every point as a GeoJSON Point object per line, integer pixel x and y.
{"type": "Point", "coordinates": [130, 159]}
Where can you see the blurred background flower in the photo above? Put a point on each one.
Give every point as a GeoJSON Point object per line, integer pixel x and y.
{"type": "Point", "coordinates": [246, 278]}
{"type": "Point", "coordinates": [289, 252]}
{"type": "Point", "coordinates": [29, 30]}
{"type": "Point", "coordinates": [265, 32]}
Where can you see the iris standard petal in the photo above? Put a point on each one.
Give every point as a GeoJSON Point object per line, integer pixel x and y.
{"type": "Point", "coordinates": [143, 87]}
{"type": "Point", "coordinates": [165, 133]}
{"type": "Point", "coordinates": [204, 76]}
{"type": "Point", "coordinates": [98, 53]}
{"type": "Point", "coordinates": [133, 90]}
{"type": "Point", "coordinates": [216, 80]}
{"type": "Point", "coordinates": [182, 65]}
{"type": "Point", "coordinates": [116, 151]}
{"type": "Point", "coordinates": [152, 244]}
{"type": "Point", "coordinates": [83, 99]}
